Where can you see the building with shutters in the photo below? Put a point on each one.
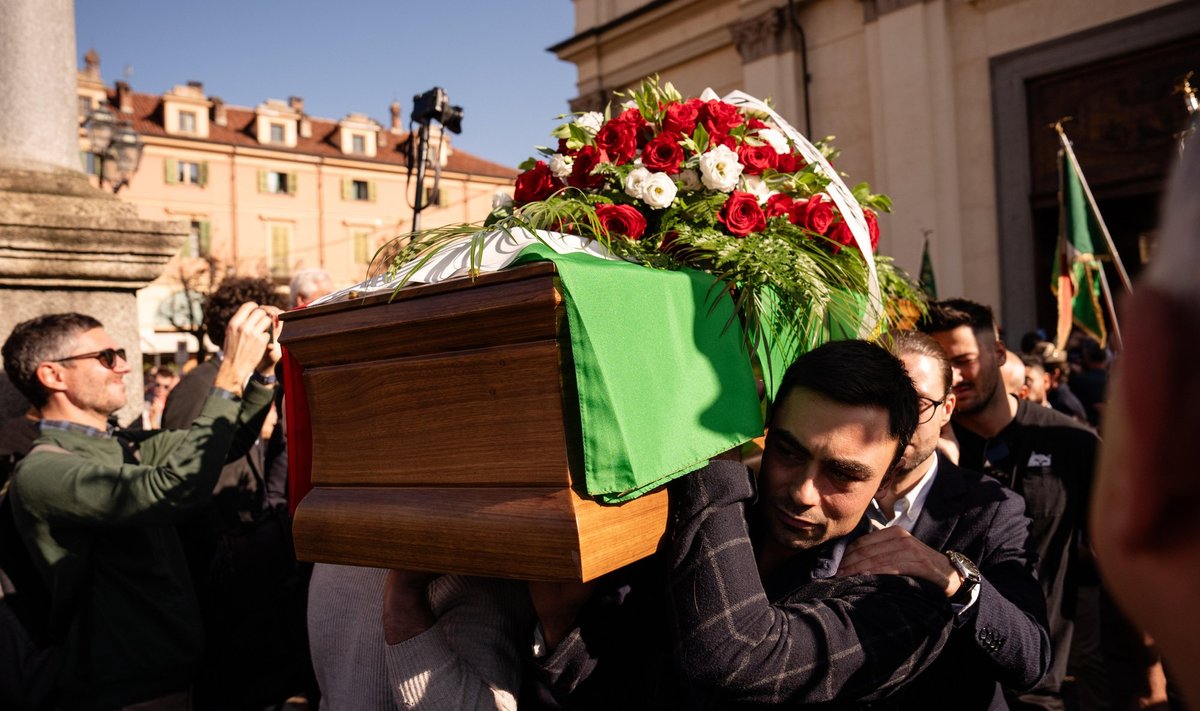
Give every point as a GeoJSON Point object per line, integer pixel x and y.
{"type": "Point", "coordinates": [270, 190]}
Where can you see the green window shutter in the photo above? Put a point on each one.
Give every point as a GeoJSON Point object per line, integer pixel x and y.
{"type": "Point", "coordinates": [293, 183]}
{"type": "Point", "coordinates": [371, 195]}
{"type": "Point", "coordinates": [83, 160]}
{"type": "Point", "coordinates": [171, 170]}
{"type": "Point", "coordinates": [205, 238]}
{"type": "Point", "coordinates": [362, 247]}
{"type": "Point", "coordinates": [347, 189]}
{"type": "Point", "coordinates": [279, 250]}
{"type": "Point", "coordinates": [203, 175]}
{"type": "Point", "coordinates": [262, 180]}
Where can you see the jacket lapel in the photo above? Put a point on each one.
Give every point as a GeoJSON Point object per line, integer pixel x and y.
{"type": "Point", "coordinates": [940, 515]}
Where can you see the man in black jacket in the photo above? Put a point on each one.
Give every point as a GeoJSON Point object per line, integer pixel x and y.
{"type": "Point", "coordinates": [753, 608]}
{"type": "Point", "coordinates": [1041, 454]}
{"type": "Point", "coordinates": [936, 517]}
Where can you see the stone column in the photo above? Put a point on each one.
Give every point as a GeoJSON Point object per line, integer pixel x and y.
{"type": "Point", "coordinates": [64, 245]}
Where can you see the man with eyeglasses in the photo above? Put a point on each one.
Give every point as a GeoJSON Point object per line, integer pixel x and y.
{"type": "Point", "coordinates": [96, 509]}
{"type": "Point", "coordinates": [1041, 454]}
{"type": "Point", "coordinates": [966, 533]}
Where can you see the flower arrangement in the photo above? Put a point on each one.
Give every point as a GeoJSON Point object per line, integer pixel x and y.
{"type": "Point", "coordinates": [701, 183]}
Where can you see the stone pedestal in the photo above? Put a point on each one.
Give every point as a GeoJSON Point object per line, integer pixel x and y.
{"type": "Point", "coordinates": [66, 246]}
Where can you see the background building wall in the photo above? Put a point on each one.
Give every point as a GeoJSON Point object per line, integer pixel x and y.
{"type": "Point", "coordinates": [904, 85]}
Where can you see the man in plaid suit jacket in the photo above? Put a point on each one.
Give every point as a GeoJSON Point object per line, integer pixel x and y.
{"type": "Point", "coordinates": [752, 606]}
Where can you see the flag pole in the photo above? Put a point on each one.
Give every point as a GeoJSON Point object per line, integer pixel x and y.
{"type": "Point", "coordinates": [1087, 191]}
{"type": "Point", "coordinates": [1117, 343]}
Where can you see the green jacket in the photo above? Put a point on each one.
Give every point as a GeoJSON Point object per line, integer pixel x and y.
{"type": "Point", "coordinates": [100, 527]}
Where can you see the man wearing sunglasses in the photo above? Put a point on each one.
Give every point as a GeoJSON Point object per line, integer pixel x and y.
{"type": "Point", "coordinates": [966, 533]}
{"type": "Point", "coordinates": [96, 509]}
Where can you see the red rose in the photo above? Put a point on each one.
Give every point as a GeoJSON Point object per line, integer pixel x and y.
{"type": "Point", "coordinates": [756, 159]}
{"type": "Point", "coordinates": [755, 124]}
{"type": "Point", "coordinates": [663, 154]}
{"type": "Point", "coordinates": [618, 138]}
{"type": "Point", "coordinates": [621, 220]}
{"type": "Point", "coordinates": [586, 159]}
{"type": "Point", "coordinates": [742, 215]}
{"type": "Point", "coordinates": [535, 184]}
{"type": "Point", "coordinates": [722, 139]}
{"type": "Point", "coordinates": [872, 228]}
{"type": "Point", "coordinates": [840, 236]}
{"type": "Point", "coordinates": [818, 214]}
{"type": "Point", "coordinates": [778, 204]}
{"type": "Point", "coordinates": [719, 117]}
{"type": "Point", "coordinates": [789, 163]}
{"type": "Point", "coordinates": [682, 117]}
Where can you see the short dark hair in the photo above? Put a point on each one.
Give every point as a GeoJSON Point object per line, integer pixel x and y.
{"type": "Point", "coordinates": [858, 373]}
{"type": "Point", "coordinates": [223, 303]}
{"type": "Point", "coordinates": [902, 343]}
{"type": "Point", "coordinates": [949, 314]}
{"type": "Point", "coordinates": [36, 341]}
{"type": "Point", "coordinates": [1032, 360]}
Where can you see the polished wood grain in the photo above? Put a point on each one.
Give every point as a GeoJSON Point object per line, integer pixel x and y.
{"type": "Point", "coordinates": [491, 417]}
{"type": "Point", "coordinates": [530, 533]}
{"type": "Point", "coordinates": [446, 436]}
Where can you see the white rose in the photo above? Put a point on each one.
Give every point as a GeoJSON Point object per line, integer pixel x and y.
{"type": "Point", "coordinates": [775, 139]}
{"type": "Point", "coordinates": [658, 190]}
{"type": "Point", "coordinates": [757, 187]}
{"type": "Point", "coordinates": [635, 182]}
{"type": "Point", "coordinates": [590, 122]}
{"type": "Point", "coordinates": [501, 199]}
{"type": "Point", "coordinates": [688, 179]}
{"type": "Point", "coordinates": [560, 165]}
{"type": "Point", "coordinates": [720, 169]}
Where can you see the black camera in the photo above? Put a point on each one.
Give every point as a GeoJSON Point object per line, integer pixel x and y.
{"type": "Point", "coordinates": [434, 104]}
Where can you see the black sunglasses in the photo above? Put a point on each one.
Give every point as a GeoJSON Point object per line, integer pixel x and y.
{"type": "Point", "coordinates": [107, 357]}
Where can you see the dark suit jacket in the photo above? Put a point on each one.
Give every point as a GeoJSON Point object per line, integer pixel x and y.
{"type": "Point", "coordinates": [1002, 638]}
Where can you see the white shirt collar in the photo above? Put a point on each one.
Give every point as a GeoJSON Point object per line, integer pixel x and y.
{"type": "Point", "coordinates": [907, 508]}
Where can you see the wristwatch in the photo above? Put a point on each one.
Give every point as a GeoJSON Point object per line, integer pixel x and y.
{"type": "Point", "coordinates": [970, 577]}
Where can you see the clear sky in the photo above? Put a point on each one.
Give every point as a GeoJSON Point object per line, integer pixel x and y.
{"type": "Point", "coordinates": [355, 56]}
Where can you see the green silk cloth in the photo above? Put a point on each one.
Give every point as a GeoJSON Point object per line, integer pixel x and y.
{"type": "Point", "coordinates": [663, 383]}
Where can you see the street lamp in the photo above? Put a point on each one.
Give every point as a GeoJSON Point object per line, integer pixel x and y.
{"type": "Point", "coordinates": [116, 146]}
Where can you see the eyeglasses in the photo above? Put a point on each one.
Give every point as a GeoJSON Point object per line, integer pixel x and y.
{"type": "Point", "coordinates": [107, 357]}
{"type": "Point", "coordinates": [928, 407]}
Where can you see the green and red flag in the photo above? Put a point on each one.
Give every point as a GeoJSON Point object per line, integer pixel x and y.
{"type": "Point", "coordinates": [1077, 273]}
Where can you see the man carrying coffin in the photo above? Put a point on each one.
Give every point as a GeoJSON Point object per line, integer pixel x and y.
{"type": "Point", "coordinates": [935, 518]}
{"type": "Point", "coordinates": [753, 612]}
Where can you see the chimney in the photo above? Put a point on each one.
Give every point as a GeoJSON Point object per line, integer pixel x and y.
{"type": "Point", "coordinates": [91, 64]}
{"type": "Point", "coordinates": [296, 103]}
{"type": "Point", "coordinates": [395, 107]}
{"type": "Point", "coordinates": [305, 127]}
{"type": "Point", "coordinates": [219, 116]}
{"type": "Point", "coordinates": [197, 85]}
{"type": "Point", "coordinates": [124, 97]}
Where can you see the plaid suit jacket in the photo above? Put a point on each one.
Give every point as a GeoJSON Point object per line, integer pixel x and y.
{"type": "Point", "coordinates": [718, 640]}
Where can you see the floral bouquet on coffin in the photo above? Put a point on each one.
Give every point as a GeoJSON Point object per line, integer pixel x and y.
{"type": "Point", "coordinates": [722, 186]}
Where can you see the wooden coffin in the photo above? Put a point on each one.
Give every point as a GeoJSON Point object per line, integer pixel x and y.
{"type": "Point", "coordinates": [444, 436]}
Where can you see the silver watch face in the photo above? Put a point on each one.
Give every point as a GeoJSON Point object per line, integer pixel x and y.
{"type": "Point", "coordinates": [965, 566]}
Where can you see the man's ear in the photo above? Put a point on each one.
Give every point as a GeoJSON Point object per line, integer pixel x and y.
{"type": "Point", "coordinates": [50, 375]}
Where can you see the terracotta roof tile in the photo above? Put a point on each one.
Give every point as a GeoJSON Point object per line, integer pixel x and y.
{"type": "Point", "coordinates": [147, 118]}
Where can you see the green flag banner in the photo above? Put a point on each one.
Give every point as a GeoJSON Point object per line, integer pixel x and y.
{"type": "Point", "coordinates": [928, 280]}
{"type": "Point", "coordinates": [663, 377]}
{"type": "Point", "coordinates": [1077, 272]}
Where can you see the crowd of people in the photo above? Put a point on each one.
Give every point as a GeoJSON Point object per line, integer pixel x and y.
{"type": "Point", "coordinates": [915, 535]}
